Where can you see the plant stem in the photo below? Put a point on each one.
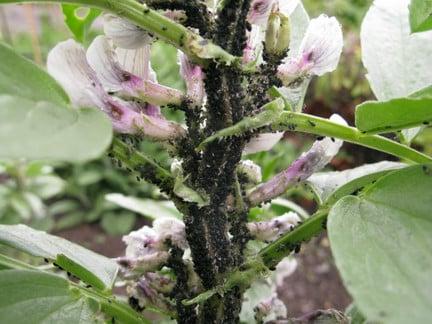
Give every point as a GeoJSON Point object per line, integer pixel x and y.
{"type": "Point", "coordinates": [198, 49]}
{"type": "Point", "coordinates": [323, 127]}
{"type": "Point", "coordinates": [146, 167]}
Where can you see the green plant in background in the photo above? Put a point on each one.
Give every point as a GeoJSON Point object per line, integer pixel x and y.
{"type": "Point", "coordinates": [218, 249]}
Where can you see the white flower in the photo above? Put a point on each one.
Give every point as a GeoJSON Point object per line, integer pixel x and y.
{"type": "Point", "coordinates": [168, 228]}
{"type": "Point", "coordinates": [319, 51]}
{"type": "Point", "coordinates": [124, 34]}
{"type": "Point", "coordinates": [262, 142]}
{"type": "Point", "coordinates": [284, 269]}
{"type": "Point", "coordinates": [268, 231]}
{"type": "Point", "coordinates": [67, 63]}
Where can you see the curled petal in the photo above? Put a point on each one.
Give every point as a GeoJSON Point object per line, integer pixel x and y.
{"type": "Point", "coordinates": [193, 76]}
{"type": "Point", "coordinates": [253, 45]}
{"type": "Point", "coordinates": [262, 142]}
{"type": "Point", "coordinates": [124, 34]}
{"type": "Point", "coordinates": [67, 64]}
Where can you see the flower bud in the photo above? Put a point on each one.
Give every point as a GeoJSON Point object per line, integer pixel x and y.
{"type": "Point", "coordinates": [272, 33]}
{"type": "Point", "coordinates": [283, 43]}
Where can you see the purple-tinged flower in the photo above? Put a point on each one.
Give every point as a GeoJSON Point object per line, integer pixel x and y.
{"type": "Point", "coordinates": [124, 33]}
{"type": "Point", "coordinates": [68, 64]}
{"type": "Point", "coordinates": [320, 154]}
{"type": "Point", "coordinates": [115, 79]}
{"type": "Point", "coordinates": [193, 76]}
{"type": "Point", "coordinates": [319, 51]}
{"type": "Point", "coordinates": [261, 9]}
{"type": "Point", "coordinates": [271, 230]}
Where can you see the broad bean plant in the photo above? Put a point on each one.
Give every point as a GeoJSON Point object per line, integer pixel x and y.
{"type": "Point", "coordinates": [246, 65]}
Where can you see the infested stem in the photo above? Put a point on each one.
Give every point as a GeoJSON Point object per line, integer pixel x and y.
{"type": "Point", "coordinates": [146, 167]}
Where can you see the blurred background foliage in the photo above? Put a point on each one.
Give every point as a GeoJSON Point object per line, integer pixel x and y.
{"type": "Point", "coordinates": [56, 197]}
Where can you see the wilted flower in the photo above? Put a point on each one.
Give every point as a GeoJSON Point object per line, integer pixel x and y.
{"type": "Point", "coordinates": [252, 48]}
{"type": "Point", "coordinates": [319, 51]}
{"type": "Point", "coordinates": [271, 308]}
{"type": "Point", "coordinates": [146, 295]}
{"type": "Point", "coordinates": [251, 171]}
{"type": "Point", "coordinates": [124, 33]}
{"type": "Point", "coordinates": [67, 63]}
{"type": "Point", "coordinates": [271, 230]}
{"type": "Point", "coordinates": [147, 249]}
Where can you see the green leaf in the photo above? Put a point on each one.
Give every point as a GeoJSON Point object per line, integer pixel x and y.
{"type": "Point", "coordinates": [381, 243]}
{"type": "Point", "coordinates": [38, 297]}
{"type": "Point", "coordinates": [90, 267]}
{"type": "Point", "coordinates": [354, 314]}
{"type": "Point", "coordinates": [329, 187]}
{"type": "Point", "coordinates": [397, 61]}
{"type": "Point", "coordinates": [21, 77]}
{"type": "Point", "coordinates": [146, 207]}
{"type": "Point", "coordinates": [48, 131]}
{"type": "Point", "coordinates": [375, 117]}
{"type": "Point", "coordinates": [118, 223]}
{"type": "Point", "coordinates": [79, 24]}
{"type": "Point", "coordinates": [420, 15]}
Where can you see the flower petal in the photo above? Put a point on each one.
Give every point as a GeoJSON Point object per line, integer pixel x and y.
{"type": "Point", "coordinates": [137, 62]}
{"type": "Point", "coordinates": [67, 63]}
{"type": "Point", "coordinates": [262, 142]}
{"type": "Point", "coordinates": [322, 45]}
{"type": "Point", "coordinates": [125, 34]}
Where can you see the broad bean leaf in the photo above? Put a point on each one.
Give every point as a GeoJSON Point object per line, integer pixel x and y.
{"type": "Point", "coordinates": [420, 15]}
{"type": "Point", "coordinates": [374, 117]}
{"type": "Point", "coordinates": [397, 61]}
{"type": "Point", "coordinates": [147, 207]}
{"type": "Point", "coordinates": [38, 297]}
{"type": "Point", "coordinates": [90, 267]}
{"type": "Point", "coordinates": [21, 77]}
{"type": "Point", "coordinates": [79, 25]}
{"type": "Point", "coordinates": [328, 187]}
{"type": "Point", "coordinates": [49, 131]}
{"type": "Point", "coordinates": [381, 243]}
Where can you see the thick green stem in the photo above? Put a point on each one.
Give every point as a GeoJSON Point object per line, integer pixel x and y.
{"type": "Point", "coordinates": [198, 49]}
